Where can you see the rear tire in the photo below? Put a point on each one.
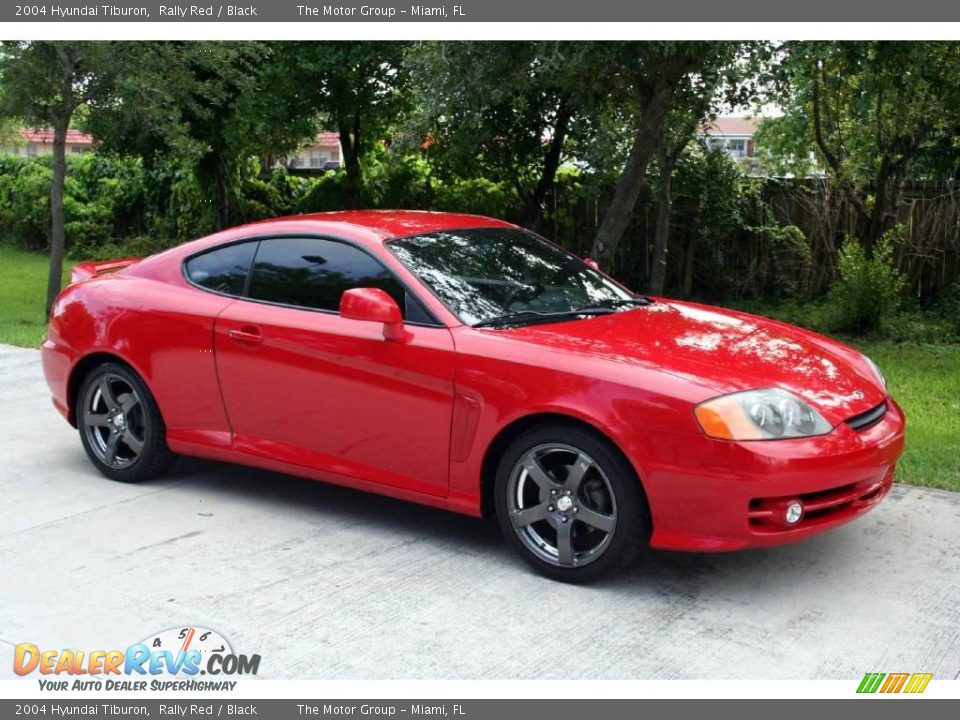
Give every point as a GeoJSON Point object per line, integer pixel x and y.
{"type": "Point", "coordinates": [570, 503]}
{"type": "Point", "coordinates": [120, 425]}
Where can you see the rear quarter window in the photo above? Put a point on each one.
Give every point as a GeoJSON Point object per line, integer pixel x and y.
{"type": "Point", "coordinates": [223, 270]}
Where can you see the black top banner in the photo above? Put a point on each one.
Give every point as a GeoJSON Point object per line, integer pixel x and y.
{"type": "Point", "coordinates": [203, 708]}
{"type": "Point", "coordinates": [481, 11]}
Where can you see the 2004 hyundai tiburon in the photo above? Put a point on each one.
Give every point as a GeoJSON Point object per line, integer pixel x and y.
{"type": "Point", "coordinates": [466, 363]}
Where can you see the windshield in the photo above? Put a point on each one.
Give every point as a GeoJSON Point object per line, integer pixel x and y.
{"type": "Point", "coordinates": [487, 273]}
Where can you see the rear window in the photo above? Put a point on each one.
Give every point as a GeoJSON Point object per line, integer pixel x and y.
{"type": "Point", "coordinates": [223, 270]}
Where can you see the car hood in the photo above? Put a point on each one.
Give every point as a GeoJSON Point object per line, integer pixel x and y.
{"type": "Point", "coordinates": [723, 351]}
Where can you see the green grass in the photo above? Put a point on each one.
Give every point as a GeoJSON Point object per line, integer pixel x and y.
{"type": "Point", "coordinates": [924, 378]}
{"type": "Point", "coordinates": [925, 381]}
{"type": "Point", "coordinates": [23, 287]}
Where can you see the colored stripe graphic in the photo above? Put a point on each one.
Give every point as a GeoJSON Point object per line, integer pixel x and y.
{"type": "Point", "coordinates": [894, 683]}
{"type": "Point", "coordinates": [918, 682]}
{"type": "Point", "coordinates": [870, 682]}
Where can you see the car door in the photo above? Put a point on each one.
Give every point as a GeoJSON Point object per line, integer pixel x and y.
{"type": "Point", "coordinates": [303, 385]}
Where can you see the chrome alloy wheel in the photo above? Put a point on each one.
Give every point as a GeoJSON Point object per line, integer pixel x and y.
{"type": "Point", "coordinates": [561, 505]}
{"type": "Point", "coordinates": [114, 421]}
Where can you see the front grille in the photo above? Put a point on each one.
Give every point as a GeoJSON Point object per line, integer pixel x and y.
{"type": "Point", "coordinates": [869, 418]}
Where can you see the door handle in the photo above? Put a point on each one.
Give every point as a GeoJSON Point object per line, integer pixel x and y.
{"type": "Point", "coordinates": [247, 335]}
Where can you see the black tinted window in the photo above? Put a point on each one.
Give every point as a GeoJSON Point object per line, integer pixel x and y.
{"type": "Point", "coordinates": [223, 270]}
{"type": "Point", "coordinates": [314, 273]}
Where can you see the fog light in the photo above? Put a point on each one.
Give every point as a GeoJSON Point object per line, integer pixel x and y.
{"type": "Point", "coordinates": [794, 513]}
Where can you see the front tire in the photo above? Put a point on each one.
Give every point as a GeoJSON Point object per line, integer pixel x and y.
{"type": "Point", "coordinates": [570, 503]}
{"type": "Point", "coordinates": [120, 425]}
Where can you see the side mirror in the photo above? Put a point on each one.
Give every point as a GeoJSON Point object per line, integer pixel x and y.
{"type": "Point", "coordinates": [592, 263]}
{"type": "Point", "coordinates": [373, 305]}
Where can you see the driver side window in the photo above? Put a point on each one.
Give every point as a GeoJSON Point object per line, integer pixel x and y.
{"type": "Point", "coordinates": [314, 273]}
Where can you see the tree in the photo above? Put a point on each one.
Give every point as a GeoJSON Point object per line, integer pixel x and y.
{"type": "Point", "coordinates": [867, 110]}
{"type": "Point", "coordinates": [669, 148]}
{"type": "Point", "coordinates": [696, 102]}
{"type": "Point", "coordinates": [649, 76]}
{"type": "Point", "coordinates": [505, 111]}
{"type": "Point", "coordinates": [10, 132]}
{"type": "Point", "coordinates": [43, 84]}
{"type": "Point", "coordinates": [357, 89]}
{"type": "Point", "coordinates": [206, 103]}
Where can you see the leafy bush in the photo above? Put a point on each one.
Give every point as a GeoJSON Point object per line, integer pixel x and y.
{"type": "Point", "coordinates": [477, 195]}
{"type": "Point", "coordinates": [790, 256]}
{"type": "Point", "coordinates": [868, 292]}
{"type": "Point", "coordinates": [288, 188]}
{"type": "Point", "coordinates": [103, 201]}
{"type": "Point", "coordinates": [712, 203]}
{"type": "Point", "coordinates": [329, 192]}
{"type": "Point", "coordinates": [135, 246]}
{"type": "Point", "coordinates": [117, 206]}
{"type": "Point", "coordinates": [397, 181]}
{"type": "Point", "coordinates": [258, 200]}
{"type": "Point", "coordinates": [913, 326]}
{"type": "Point", "coordinates": [950, 308]}
{"type": "Point", "coordinates": [190, 212]}
{"type": "Point", "coordinates": [25, 202]}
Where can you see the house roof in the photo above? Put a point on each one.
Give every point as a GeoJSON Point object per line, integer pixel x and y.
{"type": "Point", "coordinates": [732, 126]}
{"type": "Point", "coordinates": [45, 136]}
{"type": "Point", "coordinates": [326, 138]}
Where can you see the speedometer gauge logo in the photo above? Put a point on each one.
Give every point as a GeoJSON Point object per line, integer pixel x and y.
{"type": "Point", "coordinates": [184, 639]}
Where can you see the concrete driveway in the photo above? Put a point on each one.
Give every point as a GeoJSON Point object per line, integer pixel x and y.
{"type": "Point", "coordinates": [325, 582]}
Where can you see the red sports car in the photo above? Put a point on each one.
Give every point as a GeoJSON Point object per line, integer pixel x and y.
{"type": "Point", "coordinates": [466, 363]}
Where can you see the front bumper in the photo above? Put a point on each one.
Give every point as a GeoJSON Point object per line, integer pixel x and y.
{"type": "Point", "coordinates": [713, 495]}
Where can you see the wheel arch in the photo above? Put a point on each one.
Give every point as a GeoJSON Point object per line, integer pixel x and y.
{"type": "Point", "coordinates": [83, 367]}
{"type": "Point", "coordinates": [515, 428]}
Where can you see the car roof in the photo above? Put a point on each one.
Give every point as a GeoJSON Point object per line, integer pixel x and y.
{"type": "Point", "coordinates": [386, 224]}
{"type": "Point", "coordinates": [371, 227]}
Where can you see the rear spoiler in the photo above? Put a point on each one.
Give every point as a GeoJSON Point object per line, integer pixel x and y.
{"type": "Point", "coordinates": [89, 269]}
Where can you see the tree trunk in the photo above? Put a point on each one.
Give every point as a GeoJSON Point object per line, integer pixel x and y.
{"type": "Point", "coordinates": [874, 225]}
{"type": "Point", "coordinates": [221, 189]}
{"type": "Point", "coordinates": [350, 146]}
{"type": "Point", "coordinates": [61, 122]}
{"type": "Point", "coordinates": [57, 232]}
{"type": "Point", "coordinates": [551, 163]}
{"type": "Point", "coordinates": [620, 211]}
{"type": "Point", "coordinates": [661, 233]}
{"type": "Point", "coordinates": [687, 284]}
{"type": "Point", "coordinates": [891, 180]}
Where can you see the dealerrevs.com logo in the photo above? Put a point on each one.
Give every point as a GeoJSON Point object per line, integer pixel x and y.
{"type": "Point", "coordinates": [173, 659]}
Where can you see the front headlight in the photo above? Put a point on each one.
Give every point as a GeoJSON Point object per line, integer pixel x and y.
{"type": "Point", "coordinates": [770, 414]}
{"type": "Point", "coordinates": [876, 371]}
